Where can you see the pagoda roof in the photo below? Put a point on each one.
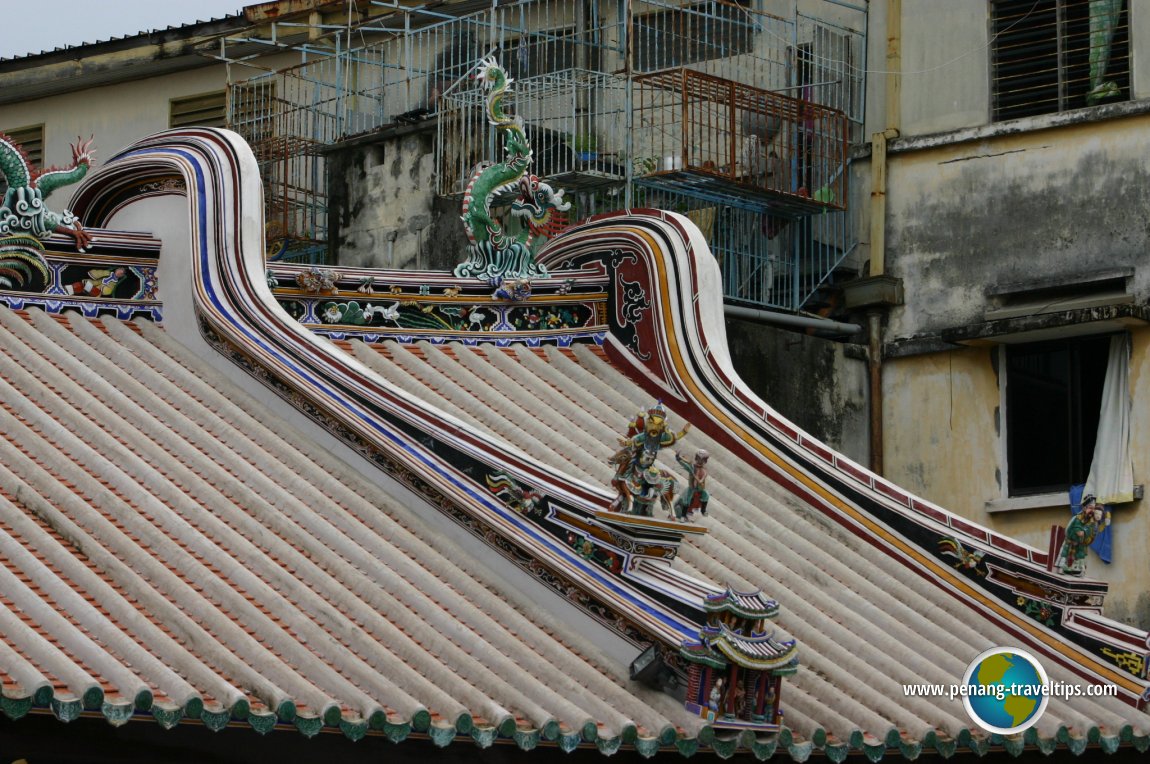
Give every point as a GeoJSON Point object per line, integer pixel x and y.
{"type": "Point", "coordinates": [743, 604]}
{"type": "Point", "coordinates": [717, 646]}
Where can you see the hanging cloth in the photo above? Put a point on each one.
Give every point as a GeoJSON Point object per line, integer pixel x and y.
{"type": "Point", "coordinates": [1111, 476]}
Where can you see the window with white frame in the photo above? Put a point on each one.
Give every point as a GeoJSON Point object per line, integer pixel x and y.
{"type": "Point", "coordinates": [1055, 55]}
{"type": "Point", "coordinates": [1053, 403]}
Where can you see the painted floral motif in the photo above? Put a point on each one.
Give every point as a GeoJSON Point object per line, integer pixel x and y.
{"type": "Point", "coordinates": [149, 283]}
{"type": "Point", "coordinates": [588, 550]}
{"type": "Point", "coordinates": [1042, 612]}
{"type": "Point", "coordinates": [531, 318]}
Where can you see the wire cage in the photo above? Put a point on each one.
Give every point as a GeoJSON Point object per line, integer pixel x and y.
{"type": "Point", "coordinates": [287, 117]}
{"type": "Point", "coordinates": [718, 136]}
{"type": "Point", "coordinates": [688, 104]}
{"type": "Point", "coordinates": [574, 119]}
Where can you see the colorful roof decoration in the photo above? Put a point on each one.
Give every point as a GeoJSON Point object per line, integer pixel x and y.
{"type": "Point", "coordinates": [237, 515]}
{"type": "Point", "coordinates": [742, 604]}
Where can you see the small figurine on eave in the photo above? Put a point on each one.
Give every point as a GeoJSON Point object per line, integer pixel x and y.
{"type": "Point", "coordinates": [637, 481]}
{"type": "Point", "coordinates": [1080, 534]}
{"type": "Point", "coordinates": [694, 496]}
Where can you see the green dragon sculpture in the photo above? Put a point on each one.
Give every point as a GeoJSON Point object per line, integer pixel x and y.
{"type": "Point", "coordinates": [24, 218]}
{"type": "Point", "coordinates": [493, 253]}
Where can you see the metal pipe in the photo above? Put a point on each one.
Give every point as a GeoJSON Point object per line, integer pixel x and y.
{"type": "Point", "coordinates": [874, 365]}
{"type": "Point", "coordinates": [790, 320]}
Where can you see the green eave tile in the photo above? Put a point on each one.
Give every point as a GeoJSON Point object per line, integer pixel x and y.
{"type": "Point", "coordinates": [442, 734]}
{"type": "Point", "coordinates": [262, 721]}
{"type": "Point", "coordinates": [836, 752]}
{"type": "Point", "coordinates": [118, 712]}
{"type": "Point", "coordinates": [647, 746]}
{"type": "Point", "coordinates": [15, 708]}
{"type": "Point", "coordinates": [309, 724]}
{"type": "Point", "coordinates": [800, 751]}
{"type": "Point", "coordinates": [353, 729]}
{"type": "Point", "coordinates": [168, 715]}
{"type": "Point", "coordinates": [215, 719]}
{"type": "Point", "coordinates": [66, 709]}
{"type": "Point", "coordinates": [526, 739]}
{"type": "Point", "coordinates": [396, 732]}
{"type": "Point", "coordinates": [569, 741]}
{"type": "Point", "coordinates": [483, 736]}
{"type": "Point", "coordinates": [609, 745]}
{"type": "Point", "coordinates": [725, 746]}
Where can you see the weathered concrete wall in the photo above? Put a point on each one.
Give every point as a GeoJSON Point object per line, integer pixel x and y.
{"type": "Point", "coordinates": [945, 65]}
{"type": "Point", "coordinates": [818, 384]}
{"type": "Point", "coordinates": [116, 115]}
{"type": "Point", "coordinates": [968, 216]}
{"type": "Point", "coordinates": [940, 431]}
{"type": "Point", "coordinates": [942, 440]}
{"type": "Point", "coordinates": [384, 212]}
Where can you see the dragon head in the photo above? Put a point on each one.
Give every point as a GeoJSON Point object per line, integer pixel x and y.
{"type": "Point", "coordinates": [540, 207]}
{"type": "Point", "coordinates": [491, 74]}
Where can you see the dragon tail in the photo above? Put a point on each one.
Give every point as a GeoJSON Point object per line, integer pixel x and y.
{"type": "Point", "coordinates": [55, 177]}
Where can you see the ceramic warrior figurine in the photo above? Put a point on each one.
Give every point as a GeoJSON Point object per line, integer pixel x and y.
{"type": "Point", "coordinates": [695, 495]}
{"type": "Point", "coordinates": [638, 482]}
{"type": "Point", "coordinates": [1080, 534]}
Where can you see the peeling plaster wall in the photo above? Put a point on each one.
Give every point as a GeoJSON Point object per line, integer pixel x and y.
{"type": "Point", "coordinates": [966, 217]}
{"type": "Point", "coordinates": [939, 428]}
{"type": "Point", "coordinates": [384, 212]}
{"type": "Point", "coordinates": [814, 382]}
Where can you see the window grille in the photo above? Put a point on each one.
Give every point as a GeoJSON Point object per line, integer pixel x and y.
{"type": "Point", "coordinates": [543, 53]}
{"type": "Point", "coordinates": [204, 110]}
{"type": "Point", "coordinates": [1055, 55]}
{"type": "Point", "coordinates": [688, 35]}
{"type": "Point", "coordinates": [31, 139]}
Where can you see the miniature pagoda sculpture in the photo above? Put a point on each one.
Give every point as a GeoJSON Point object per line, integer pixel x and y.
{"type": "Point", "coordinates": [736, 665]}
{"type": "Point", "coordinates": [639, 484]}
{"type": "Point", "coordinates": [494, 254]}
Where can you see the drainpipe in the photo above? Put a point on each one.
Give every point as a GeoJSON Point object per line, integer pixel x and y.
{"type": "Point", "coordinates": [877, 292]}
{"type": "Point", "coordinates": [877, 274]}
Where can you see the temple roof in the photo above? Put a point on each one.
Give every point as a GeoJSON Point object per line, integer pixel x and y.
{"type": "Point", "coordinates": [174, 547]}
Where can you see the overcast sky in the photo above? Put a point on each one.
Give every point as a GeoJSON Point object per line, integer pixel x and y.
{"type": "Point", "coordinates": [31, 26]}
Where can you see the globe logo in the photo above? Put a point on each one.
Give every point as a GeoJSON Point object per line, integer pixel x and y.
{"type": "Point", "coordinates": [1004, 690]}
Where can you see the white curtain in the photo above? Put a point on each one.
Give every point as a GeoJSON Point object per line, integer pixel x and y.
{"type": "Point", "coordinates": [1111, 471]}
